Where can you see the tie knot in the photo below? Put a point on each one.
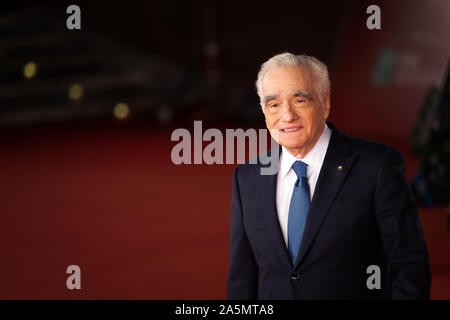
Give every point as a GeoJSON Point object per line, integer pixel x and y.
{"type": "Point", "coordinates": [300, 169]}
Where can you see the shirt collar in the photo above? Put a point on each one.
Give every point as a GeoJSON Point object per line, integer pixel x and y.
{"type": "Point", "coordinates": [313, 158]}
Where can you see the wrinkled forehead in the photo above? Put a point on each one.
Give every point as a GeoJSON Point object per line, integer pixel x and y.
{"type": "Point", "coordinates": [288, 80]}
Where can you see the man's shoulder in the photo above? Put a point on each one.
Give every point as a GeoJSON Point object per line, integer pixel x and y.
{"type": "Point", "coordinates": [362, 146]}
{"type": "Point", "coordinates": [254, 165]}
{"type": "Point", "coordinates": [372, 150]}
{"type": "Point", "coordinates": [365, 145]}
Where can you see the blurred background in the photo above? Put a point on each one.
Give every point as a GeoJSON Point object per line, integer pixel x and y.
{"type": "Point", "coordinates": [86, 118]}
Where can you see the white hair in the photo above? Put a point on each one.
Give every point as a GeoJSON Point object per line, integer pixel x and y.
{"type": "Point", "coordinates": [287, 59]}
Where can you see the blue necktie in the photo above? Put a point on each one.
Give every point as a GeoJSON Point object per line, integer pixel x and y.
{"type": "Point", "coordinates": [298, 209]}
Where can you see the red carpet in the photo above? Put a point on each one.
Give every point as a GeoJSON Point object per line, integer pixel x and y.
{"type": "Point", "coordinates": [110, 200]}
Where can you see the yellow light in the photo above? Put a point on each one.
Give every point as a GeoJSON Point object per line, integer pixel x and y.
{"type": "Point", "coordinates": [121, 110]}
{"type": "Point", "coordinates": [29, 70]}
{"type": "Point", "coordinates": [75, 91]}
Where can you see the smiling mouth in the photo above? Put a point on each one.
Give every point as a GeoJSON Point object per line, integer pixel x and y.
{"type": "Point", "coordinates": [293, 129]}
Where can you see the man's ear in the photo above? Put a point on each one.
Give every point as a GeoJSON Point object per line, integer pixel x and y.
{"type": "Point", "coordinates": [326, 105]}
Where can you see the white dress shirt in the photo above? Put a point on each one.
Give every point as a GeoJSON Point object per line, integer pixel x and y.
{"type": "Point", "coordinates": [286, 177]}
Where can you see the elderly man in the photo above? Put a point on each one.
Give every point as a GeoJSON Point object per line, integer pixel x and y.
{"type": "Point", "coordinates": [338, 220]}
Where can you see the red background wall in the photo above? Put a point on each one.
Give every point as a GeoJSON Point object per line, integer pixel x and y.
{"type": "Point", "coordinates": [106, 196]}
{"type": "Point", "coordinates": [418, 32]}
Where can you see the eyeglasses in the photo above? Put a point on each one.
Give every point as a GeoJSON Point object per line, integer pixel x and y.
{"type": "Point", "coordinates": [296, 104]}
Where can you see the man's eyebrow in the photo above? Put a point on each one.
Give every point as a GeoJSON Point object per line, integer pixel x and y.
{"type": "Point", "coordinates": [302, 94]}
{"type": "Point", "coordinates": [269, 97]}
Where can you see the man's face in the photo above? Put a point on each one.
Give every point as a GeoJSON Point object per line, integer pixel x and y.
{"type": "Point", "coordinates": [295, 115]}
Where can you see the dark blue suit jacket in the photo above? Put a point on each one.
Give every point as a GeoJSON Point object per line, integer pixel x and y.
{"type": "Point", "coordinates": [362, 215]}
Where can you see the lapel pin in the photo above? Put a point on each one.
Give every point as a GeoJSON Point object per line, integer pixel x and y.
{"type": "Point", "coordinates": [340, 168]}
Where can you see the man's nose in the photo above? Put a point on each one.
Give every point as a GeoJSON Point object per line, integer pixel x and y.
{"type": "Point", "coordinates": [288, 113]}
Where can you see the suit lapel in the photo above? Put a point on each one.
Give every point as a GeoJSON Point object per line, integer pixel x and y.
{"type": "Point", "coordinates": [336, 166]}
{"type": "Point", "coordinates": [268, 208]}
